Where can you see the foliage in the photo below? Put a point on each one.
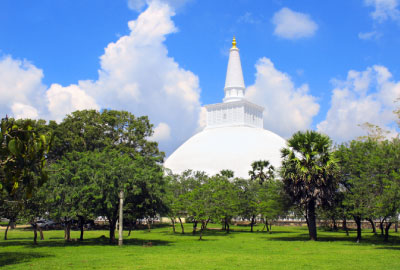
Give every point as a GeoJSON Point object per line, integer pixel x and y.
{"type": "Point", "coordinates": [90, 130]}
{"type": "Point", "coordinates": [257, 172]}
{"type": "Point", "coordinates": [370, 172]}
{"type": "Point", "coordinates": [23, 152]}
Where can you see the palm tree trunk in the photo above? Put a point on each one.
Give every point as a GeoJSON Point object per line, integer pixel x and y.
{"type": "Point", "coordinates": [312, 226]}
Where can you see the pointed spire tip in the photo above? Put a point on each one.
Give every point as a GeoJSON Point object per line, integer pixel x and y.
{"type": "Point", "coordinates": [234, 43]}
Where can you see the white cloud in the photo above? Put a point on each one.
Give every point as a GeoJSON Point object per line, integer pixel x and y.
{"type": "Point", "coordinates": [20, 87]}
{"type": "Point", "coordinates": [366, 96]}
{"type": "Point", "coordinates": [24, 111]}
{"type": "Point", "coordinates": [64, 100]}
{"type": "Point", "coordinates": [162, 132]}
{"type": "Point", "coordinates": [369, 35]}
{"type": "Point", "coordinates": [287, 108]}
{"type": "Point", "coordinates": [136, 74]}
{"type": "Point", "coordinates": [293, 25]}
{"type": "Point", "coordinates": [138, 5]}
{"type": "Point", "coordinates": [384, 9]}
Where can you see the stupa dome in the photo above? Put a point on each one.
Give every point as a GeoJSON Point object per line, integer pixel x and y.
{"type": "Point", "coordinates": [233, 148]}
{"type": "Point", "coordinates": [234, 136]}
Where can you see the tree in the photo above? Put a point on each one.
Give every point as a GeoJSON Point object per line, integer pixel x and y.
{"type": "Point", "coordinates": [248, 199]}
{"type": "Point", "coordinates": [370, 172]}
{"type": "Point", "coordinates": [93, 180]}
{"type": "Point", "coordinates": [222, 203]}
{"type": "Point", "coordinates": [70, 195]}
{"type": "Point", "coordinates": [273, 201]}
{"type": "Point", "coordinates": [262, 171]}
{"type": "Point", "coordinates": [309, 173]}
{"type": "Point", "coordinates": [23, 152]}
{"type": "Point", "coordinates": [90, 130]}
{"type": "Point", "coordinates": [84, 138]}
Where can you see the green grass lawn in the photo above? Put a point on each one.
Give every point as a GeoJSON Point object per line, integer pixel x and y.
{"type": "Point", "coordinates": [284, 248]}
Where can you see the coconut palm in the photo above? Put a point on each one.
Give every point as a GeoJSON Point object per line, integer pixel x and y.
{"type": "Point", "coordinates": [309, 173]}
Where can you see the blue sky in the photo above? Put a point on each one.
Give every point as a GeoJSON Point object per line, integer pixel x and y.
{"type": "Point", "coordinates": [325, 65]}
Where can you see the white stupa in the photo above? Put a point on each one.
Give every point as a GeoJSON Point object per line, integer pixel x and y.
{"type": "Point", "coordinates": [234, 136]}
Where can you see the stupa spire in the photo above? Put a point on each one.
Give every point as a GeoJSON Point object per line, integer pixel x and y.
{"type": "Point", "coordinates": [234, 83]}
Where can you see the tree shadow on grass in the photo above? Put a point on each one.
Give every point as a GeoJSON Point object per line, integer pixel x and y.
{"type": "Point", "coordinates": [100, 241]}
{"type": "Point", "coordinates": [367, 239]}
{"type": "Point", "coordinates": [8, 258]}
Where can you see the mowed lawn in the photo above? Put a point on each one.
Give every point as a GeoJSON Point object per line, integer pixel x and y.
{"type": "Point", "coordinates": [284, 248]}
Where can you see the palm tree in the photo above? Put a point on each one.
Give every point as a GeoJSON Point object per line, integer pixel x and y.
{"type": "Point", "coordinates": [309, 173]}
{"type": "Point", "coordinates": [257, 171]}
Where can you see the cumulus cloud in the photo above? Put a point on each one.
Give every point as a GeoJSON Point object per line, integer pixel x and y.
{"type": "Point", "coordinates": [365, 96]}
{"type": "Point", "coordinates": [63, 100]}
{"type": "Point", "coordinates": [293, 25]}
{"type": "Point", "coordinates": [23, 111]}
{"type": "Point", "coordinates": [138, 5]}
{"type": "Point", "coordinates": [384, 10]}
{"type": "Point", "coordinates": [136, 74]}
{"type": "Point", "coordinates": [287, 108]}
{"type": "Point", "coordinates": [162, 132]}
{"type": "Point", "coordinates": [20, 87]}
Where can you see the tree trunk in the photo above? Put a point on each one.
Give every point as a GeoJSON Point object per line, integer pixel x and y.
{"type": "Point", "coordinates": [194, 227]}
{"type": "Point", "coordinates": [41, 233]}
{"type": "Point", "coordinates": [201, 230]}
{"type": "Point", "coordinates": [148, 225]}
{"type": "Point", "coordinates": [34, 233]}
{"type": "Point", "coordinates": [67, 229]}
{"type": "Point", "coordinates": [266, 224]}
{"type": "Point", "coordinates": [396, 226]}
{"type": "Point", "coordinates": [335, 228]}
{"type": "Point", "coordinates": [130, 228]}
{"type": "Point", "coordinates": [312, 227]}
{"type": "Point", "coordinates": [381, 226]}
{"type": "Point", "coordinates": [252, 222]}
{"type": "Point", "coordinates": [5, 233]}
{"type": "Point", "coordinates": [112, 230]}
{"type": "Point", "coordinates": [387, 228]}
{"type": "Point", "coordinates": [180, 221]}
{"type": "Point", "coordinates": [81, 223]}
{"type": "Point", "coordinates": [372, 225]}
{"type": "Point", "coordinates": [345, 226]}
{"type": "Point", "coordinates": [306, 216]}
{"type": "Point", "coordinates": [67, 235]}
{"type": "Point", "coordinates": [226, 224]}
{"type": "Point", "coordinates": [357, 219]}
{"type": "Point", "coordinates": [205, 225]}
{"type": "Point", "coordinates": [173, 224]}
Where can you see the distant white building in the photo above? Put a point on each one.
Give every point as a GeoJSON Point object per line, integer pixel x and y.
{"type": "Point", "coordinates": [234, 136]}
